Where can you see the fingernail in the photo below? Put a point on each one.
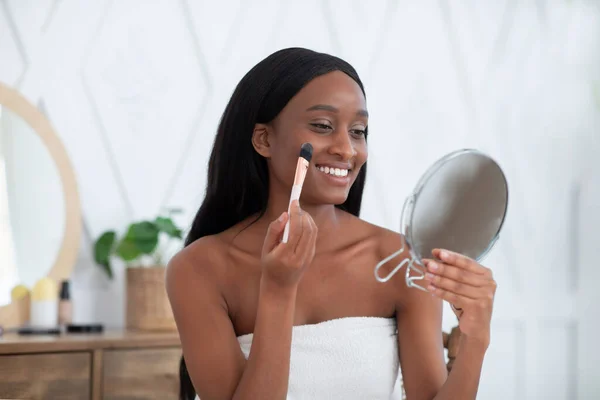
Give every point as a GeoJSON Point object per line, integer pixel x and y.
{"type": "Point", "coordinates": [433, 266]}
{"type": "Point", "coordinates": [444, 254]}
{"type": "Point", "coordinates": [429, 276]}
{"type": "Point", "coordinates": [281, 217]}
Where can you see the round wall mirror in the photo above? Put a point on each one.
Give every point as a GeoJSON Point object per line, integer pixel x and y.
{"type": "Point", "coordinates": [459, 204]}
{"type": "Point", "coordinates": [40, 214]}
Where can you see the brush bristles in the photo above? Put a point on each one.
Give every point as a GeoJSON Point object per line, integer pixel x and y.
{"type": "Point", "coordinates": [306, 151]}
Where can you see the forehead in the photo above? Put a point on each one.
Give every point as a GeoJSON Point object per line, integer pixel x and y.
{"type": "Point", "coordinates": [334, 88]}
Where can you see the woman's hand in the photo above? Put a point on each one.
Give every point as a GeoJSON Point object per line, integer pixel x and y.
{"type": "Point", "coordinates": [469, 288]}
{"type": "Point", "coordinates": [285, 263]}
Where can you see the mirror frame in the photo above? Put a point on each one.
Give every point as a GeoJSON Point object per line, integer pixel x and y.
{"type": "Point", "coordinates": [406, 221]}
{"type": "Point", "coordinates": [12, 314]}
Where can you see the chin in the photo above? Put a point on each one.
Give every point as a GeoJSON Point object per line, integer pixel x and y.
{"type": "Point", "coordinates": [330, 198]}
{"type": "Point", "coordinates": [321, 190]}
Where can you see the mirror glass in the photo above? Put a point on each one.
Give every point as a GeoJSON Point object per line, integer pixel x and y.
{"type": "Point", "coordinates": [32, 211]}
{"type": "Point", "coordinates": [459, 204]}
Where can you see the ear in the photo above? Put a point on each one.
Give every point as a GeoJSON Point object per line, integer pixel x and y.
{"type": "Point", "coordinates": [260, 140]}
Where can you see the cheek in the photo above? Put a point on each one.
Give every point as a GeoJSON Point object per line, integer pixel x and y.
{"type": "Point", "coordinates": [287, 145]}
{"type": "Point", "coordinates": [286, 139]}
{"type": "Point", "coordinates": [282, 162]}
{"type": "Point", "coordinates": [284, 157]}
{"type": "Point", "coordinates": [362, 152]}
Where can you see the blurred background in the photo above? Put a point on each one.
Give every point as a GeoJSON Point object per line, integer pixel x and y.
{"type": "Point", "coordinates": [134, 91]}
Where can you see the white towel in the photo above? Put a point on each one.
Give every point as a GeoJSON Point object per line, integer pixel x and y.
{"type": "Point", "coordinates": [346, 358]}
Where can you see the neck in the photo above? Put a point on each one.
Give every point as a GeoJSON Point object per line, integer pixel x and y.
{"type": "Point", "coordinates": [326, 216]}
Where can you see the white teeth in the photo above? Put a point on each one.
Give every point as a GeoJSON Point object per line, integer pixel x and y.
{"type": "Point", "coordinates": [334, 171]}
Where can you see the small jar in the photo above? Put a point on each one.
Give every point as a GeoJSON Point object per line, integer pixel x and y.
{"type": "Point", "coordinates": [44, 304]}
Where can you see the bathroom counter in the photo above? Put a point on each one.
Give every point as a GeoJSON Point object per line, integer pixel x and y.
{"type": "Point", "coordinates": [109, 365]}
{"type": "Point", "coordinates": [11, 343]}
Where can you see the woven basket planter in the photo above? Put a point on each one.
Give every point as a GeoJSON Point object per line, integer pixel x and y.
{"type": "Point", "coordinates": [148, 307]}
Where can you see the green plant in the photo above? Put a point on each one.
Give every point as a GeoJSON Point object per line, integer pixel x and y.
{"type": "Point", "coordinates": [141, 240]}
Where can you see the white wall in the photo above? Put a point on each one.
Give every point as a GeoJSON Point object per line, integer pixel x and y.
{"type": "Point", "coordinates": [135, 90]}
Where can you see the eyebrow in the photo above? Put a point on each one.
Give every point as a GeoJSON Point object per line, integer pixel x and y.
{"type": "Point", "coordinates": [325, 107]}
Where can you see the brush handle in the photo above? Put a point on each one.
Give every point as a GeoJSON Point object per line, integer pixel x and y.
{"type": "Point", "coordinates": [296, 189]}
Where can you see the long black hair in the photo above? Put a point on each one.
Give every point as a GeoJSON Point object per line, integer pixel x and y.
{"type": "Point", "coordinates": [238, 179]}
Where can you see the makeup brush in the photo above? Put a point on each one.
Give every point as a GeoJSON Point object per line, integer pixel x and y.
{"type": "Point", "coordinates": [301, 167]}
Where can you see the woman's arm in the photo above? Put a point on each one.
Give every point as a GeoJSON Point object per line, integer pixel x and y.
{"type": "Point", "coordinates": [419, 319]}
{"type": "Point", "coordinates": [420, 342]}
{"type": "Point", "coordinates": [212, 354]}
{"type": "Point", "coordinates": [422, 354]}
{"type": "Point", "coordinates": [267, 371]}
{"type": "Point", "coordinates": [463, 381]}
{"type": "Point", "coordinates": [470, 288]}
{"type": "Point", "coordinates": [215, 362]}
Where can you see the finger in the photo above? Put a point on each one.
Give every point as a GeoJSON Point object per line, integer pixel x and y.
{"type": "Point", "coordinates": [295, 225]}
{"type": "Point", "coordinates": [451, 297]}
{"type": "Point", "coordinates": [459, 275]}
{"type": "Point", "coordinates": [459, 260]}
{"type": "Point", "coordinates": [452, 286]}
{"type": "Point", "coordinates": [274, 232]}
{"type": "Point", "coordinates": [306, 243]}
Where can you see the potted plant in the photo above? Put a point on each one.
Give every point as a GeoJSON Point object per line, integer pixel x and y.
{"type": "Point", "coordinates": [144, 249]}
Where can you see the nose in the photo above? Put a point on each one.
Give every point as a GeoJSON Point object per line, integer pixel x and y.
{"type": "Point", "coordinates": [342, 145]}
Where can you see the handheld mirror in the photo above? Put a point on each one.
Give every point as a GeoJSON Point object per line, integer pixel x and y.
{"type": "Point", "coordinates": [459, 204]}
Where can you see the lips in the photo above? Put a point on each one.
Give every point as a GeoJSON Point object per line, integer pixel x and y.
{"type": "Point", "coordinates": [335, 175]}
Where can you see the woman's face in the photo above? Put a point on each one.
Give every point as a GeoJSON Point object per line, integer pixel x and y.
{"type": "Point", "coordinates": [330, 113]}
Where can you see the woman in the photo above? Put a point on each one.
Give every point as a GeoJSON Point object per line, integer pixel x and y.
{"type": "Point", "coordinates": [238, 293]}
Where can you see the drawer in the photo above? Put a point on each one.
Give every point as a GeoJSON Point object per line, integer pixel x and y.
{"type": "Point", "coordinates": [141, 374]}
{"type": "Point", "coordinates": [46, 376]}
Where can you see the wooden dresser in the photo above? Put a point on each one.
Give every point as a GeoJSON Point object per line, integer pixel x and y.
{"type": "Point", "coordinates": [111, 365]}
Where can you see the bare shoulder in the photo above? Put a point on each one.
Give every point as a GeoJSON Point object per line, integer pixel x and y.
{"type": "Point", "coordinates": [207, 259]}
{"type": "Point", "coordinates": [199, 265]}
{"type": "Point", "coordinates": [384, 242]}
{"type": "Point", "coordinates": [199, 257]}
{"type": "Point", "coordinates": [387, 241]}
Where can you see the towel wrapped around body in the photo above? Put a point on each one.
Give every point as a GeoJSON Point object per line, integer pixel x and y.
{"type": "Point", "coordinates": [346, 358]}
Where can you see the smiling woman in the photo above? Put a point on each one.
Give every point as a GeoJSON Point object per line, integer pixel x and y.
{"type": "Point", "coordinates": [262, 318]}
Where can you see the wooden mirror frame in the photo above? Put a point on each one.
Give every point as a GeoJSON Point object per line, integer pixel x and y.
{"type": "Point", "coordinates": [17, 313]}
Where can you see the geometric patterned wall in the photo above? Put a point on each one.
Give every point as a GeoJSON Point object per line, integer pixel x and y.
{"type": "Point", "coordinates": [135, 90]}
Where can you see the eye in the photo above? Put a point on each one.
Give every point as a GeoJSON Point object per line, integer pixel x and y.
{"type": "Point", "coordinates": [323, 128]}
{"type": "Point", "coordinates": [360, 132]}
